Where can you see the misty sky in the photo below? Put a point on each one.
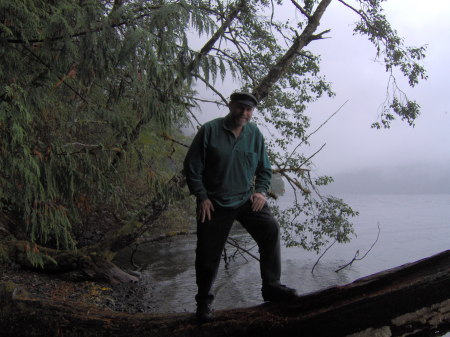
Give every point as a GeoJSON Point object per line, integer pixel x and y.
{"type": "Point", "coordinates": [402, 159]}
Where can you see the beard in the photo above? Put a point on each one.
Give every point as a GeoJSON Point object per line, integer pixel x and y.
{"type": "Point", "coordinates": [240, 120]}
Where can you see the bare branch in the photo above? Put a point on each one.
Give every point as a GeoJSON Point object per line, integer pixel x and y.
{"type": "Point", "coordinates": [289, 169]}
{"type": "Point", "coordinates": [320, 35]}
{"type": "Point", "coordinates": [316, 130]}
{"type": "Point", "coordinates": [283, 64]}
{"type": "Point", "coordinates": [243, 249]}
{"type": "Point", "coordinates": [300, 8]}
{"type": "Point", "coordinates": [292, 181]}
{"type": "Point", "coordinates": [311, 156]}
{"type": "Point", "coordinates": [326, 121]}
{"type": "Point", "coordinates": [324, 252]}
{"type": "Point", "coordinates": [210, 86]}
{"type": "Point", "coordinates": [356, 258]}
{"type": "Point", "coordinates": [204, 100]}
{"type": "Point", "coordinates": [360, 13]}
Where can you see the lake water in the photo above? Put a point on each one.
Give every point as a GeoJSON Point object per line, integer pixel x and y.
{"type": "Point", "coordinates": [412, 227]}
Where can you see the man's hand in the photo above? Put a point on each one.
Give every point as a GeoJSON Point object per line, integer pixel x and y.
{"type": "Point", "coordinates": [258, 201]}
{"type": "Point", "coordinates": [205, 208]}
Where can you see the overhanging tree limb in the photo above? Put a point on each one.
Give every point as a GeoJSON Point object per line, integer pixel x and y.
{"type": "Point", "coordinates": [218, 34]}
{"type": "Point", "coordinates": [281, 67]}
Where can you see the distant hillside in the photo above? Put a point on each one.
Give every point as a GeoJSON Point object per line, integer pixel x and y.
{"type": "Point", "coordinates": [406, 179]}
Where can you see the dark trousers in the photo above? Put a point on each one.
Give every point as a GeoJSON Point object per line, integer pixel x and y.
{"type": "Point", "coordinates": [212, 235]}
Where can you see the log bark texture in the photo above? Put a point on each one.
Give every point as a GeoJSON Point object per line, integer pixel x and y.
{"type": "Point", "coordinates": [410, 300]}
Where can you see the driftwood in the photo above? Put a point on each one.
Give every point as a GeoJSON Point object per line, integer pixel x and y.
{"type": "Point", "coordinates": [410, 300]}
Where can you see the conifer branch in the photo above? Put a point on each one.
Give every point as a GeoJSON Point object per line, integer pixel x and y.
{"type": "Point", "coordinates": [209, 85]}
{"type": "Point", "coordinates": [61, 79]}
{"type": "Point", "coordinates": [243, 66]}
{"type": "Point", "coordinates": [217, 35]}
{"type": "Point", "coordinates": [85, 32]}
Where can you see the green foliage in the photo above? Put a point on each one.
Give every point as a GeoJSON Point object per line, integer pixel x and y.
{"type": "Point", "coordinates": [408, 111]}
{"type": "Point", "coordinates": [312, 222]}
{"type": "Point", "coordinates": [93, 92]}
{"type": "Point", "coordinates": [254, 43]}
{"type": "Point", "coordinates": [37, 259]}
{"type": "Point", "coordinates": [395, 55]}
{"type": "Point", "coordinates": [80, 81]}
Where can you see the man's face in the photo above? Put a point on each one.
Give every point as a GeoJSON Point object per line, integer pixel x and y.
{"type": "Point", "coordinates": [240, 113]}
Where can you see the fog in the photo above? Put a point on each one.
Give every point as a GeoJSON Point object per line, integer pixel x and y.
{"type": "Point", "coordinates": [402, 159]}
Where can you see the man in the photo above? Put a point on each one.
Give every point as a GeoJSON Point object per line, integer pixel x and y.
{"type": "Point", "coordinates": [228, 170]}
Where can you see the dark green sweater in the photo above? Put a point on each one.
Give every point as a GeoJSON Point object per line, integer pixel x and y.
{"type": "Point", "coordinates": [224, 168]}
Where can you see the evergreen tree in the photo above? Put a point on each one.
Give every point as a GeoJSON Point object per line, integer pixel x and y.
{"type": "Point", "coordinates": [83, 83]}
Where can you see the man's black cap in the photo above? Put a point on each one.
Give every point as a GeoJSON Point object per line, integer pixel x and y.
{"type": "Point", "coordinates": [244, 98]}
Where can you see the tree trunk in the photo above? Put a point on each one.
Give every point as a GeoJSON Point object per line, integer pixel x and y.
{"type": "Point", "coordinates": [94, 263]}
{"type": "Point", "coordinates": [411, 300]}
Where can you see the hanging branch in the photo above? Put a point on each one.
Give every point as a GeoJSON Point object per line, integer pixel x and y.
{"type": "Point", "coordinates": [324, 252]}
{"type": "Point", "coordinates": [210, 86]}
{"type": "Point", "coordinates": [235, 245]}
{"type": "Point", "coordinates": [355, 258]}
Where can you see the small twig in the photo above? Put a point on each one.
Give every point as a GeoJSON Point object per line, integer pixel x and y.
{"type": "Point", "coordinates": [300, 8]}
{"type": "Point", "coordinates": [316, 130]}
{"type": "Point", "coordinates": [243, 249]}
{"type": "Point", "coordinates": [325, 251]}
{"type": "Point", "coordinates": [355, 258]}
{"type": "Point", "coordinates": [173, 140]}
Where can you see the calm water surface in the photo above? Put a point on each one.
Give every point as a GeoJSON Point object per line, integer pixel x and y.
{"type": "Point", "coordinates": [412, 227]}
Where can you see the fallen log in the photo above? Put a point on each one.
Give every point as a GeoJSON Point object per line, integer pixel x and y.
{"type": "Point", "coordinates": [410, 300]}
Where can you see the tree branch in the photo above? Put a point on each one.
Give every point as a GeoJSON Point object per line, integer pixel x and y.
{"type": "Point", "coordinates": [243, 67]}
{"type": "Point", "coordinates": [300, 8]}
{"type": "Point", "coordinates": [217, 35]}
{"type": "Point", "coordinates": [90, 31]}
{"type": "Point", "coordinates": [360, 13]}
{"type": "Point", "coordinates": [355, 258]}
{"type": "Point", "coordinates": [325, 251]}
{"type": "Point", "coordinates": [210, 86]}
{"type": "Point", "coordinates": [173, 140]}
{"type": "Point", "coordinates": [283, 64]}
{"type": "Point", "coordinates": [243, 249]}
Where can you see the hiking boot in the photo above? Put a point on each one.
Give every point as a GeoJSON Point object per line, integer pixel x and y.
{"type": "Point", "coordinates": [204, 312]}
{"type": "Point", "coordinates": [278, 293]}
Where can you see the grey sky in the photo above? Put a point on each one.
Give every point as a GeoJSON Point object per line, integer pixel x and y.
{"type": "Point", "coordinates": [355, 154]}
{"type": "Point", "coordinates": [348, 63]}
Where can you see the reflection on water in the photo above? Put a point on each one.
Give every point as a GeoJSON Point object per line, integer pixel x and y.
{"type": "Point", "coordinates": [412, 227]}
